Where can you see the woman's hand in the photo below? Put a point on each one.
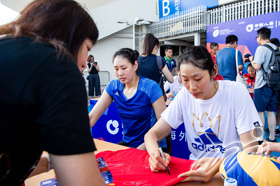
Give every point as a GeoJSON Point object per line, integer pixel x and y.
{"type": "Point", "coordinates": [269, 147]}
{"type": "Point", "coordinates": [90, 67]}
{"type": "Point", "coordinates": [169, 95]}
{"type": "Point", "coordinates": [203, 169]}
{"type": "Point", "coordinates": [156, 162]}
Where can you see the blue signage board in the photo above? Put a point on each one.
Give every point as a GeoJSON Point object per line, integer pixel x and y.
{"type": "Point", "coordinates": [109, 125]}
{"type": "Point", "coordinates": [109, 128]}
{"type": "Point", "coordinates": [170, 7]}
{"type": "Point", "coordinates": [246, 31]}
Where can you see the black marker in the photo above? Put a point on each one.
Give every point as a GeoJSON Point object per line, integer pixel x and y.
{"type": "Point", "coordinates": [161, 153]}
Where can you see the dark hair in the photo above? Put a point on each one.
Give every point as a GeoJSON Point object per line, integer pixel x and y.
{"type": "Point", "coordinates": [65, 24]}
{"type": "Point", "coordinates": [168, 48]}
{"type": "Point", "coordinates": [150, 41]}
{"type": "Point", "coordinates": [230, 39]}
{"type": "Point", "coordinates": [213, 44]}
{"type": "Point", "coordinates": [199, 57]}
{"type": "Point", "coordinates": [129, 54]}
{"type": "Point", "coordinates": [88, 59]}
{"type": "Point", "coordinates": [250, 65]}
{"type": "Point", "coordinates": [275, 41]}
{"type": "Point", "coordinates": [264, 33]}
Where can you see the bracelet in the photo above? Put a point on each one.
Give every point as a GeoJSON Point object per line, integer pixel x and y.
{"type": "Point", "coordinates": [49, 161]}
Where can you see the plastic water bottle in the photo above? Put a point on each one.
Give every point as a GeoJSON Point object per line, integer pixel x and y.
{"type": "Point", "coordinates": [230, 182]}
{"type": "Point", "coordinates": [249, 86]}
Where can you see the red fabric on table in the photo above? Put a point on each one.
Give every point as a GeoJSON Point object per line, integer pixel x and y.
{"type": "Point", "coordinates": [131, 167]}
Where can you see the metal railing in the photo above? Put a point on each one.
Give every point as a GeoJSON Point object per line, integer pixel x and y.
{"type": "Point", "coordinates": [191, 20]}
{"type": "Point", "coordinates": [242, 10]}
{"type": "Point", "coordinates": [104, 78]}
{"type": "Point", "coordinates": [196, 19]}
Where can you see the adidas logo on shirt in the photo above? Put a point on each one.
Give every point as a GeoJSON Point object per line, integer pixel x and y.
{"type": "Point", "coordinates": [208, 142]}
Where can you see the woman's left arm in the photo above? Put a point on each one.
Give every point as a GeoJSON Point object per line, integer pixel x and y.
{"type": "Point", "coordinates": [249, 141]}
{"type": "Point", "coordinates": [203, 169]}
{"type": "Point", "coordinates": [97, 67]}
{"type": "Point", "coordinates": [245, 121]}
{"type": "Point", "coordinates": [159, 106]}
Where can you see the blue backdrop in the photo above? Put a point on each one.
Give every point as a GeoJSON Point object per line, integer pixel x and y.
{"type": "Point", "coordinates": [169, 7]}
{"type": "Point", "coordinates": [245, 30]}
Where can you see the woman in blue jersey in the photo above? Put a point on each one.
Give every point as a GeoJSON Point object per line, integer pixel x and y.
{"type": "Point", "coordinates": [139, 100]}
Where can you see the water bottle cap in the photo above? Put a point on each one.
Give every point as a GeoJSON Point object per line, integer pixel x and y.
{"type": "Point", "coordinates": [230, 182]}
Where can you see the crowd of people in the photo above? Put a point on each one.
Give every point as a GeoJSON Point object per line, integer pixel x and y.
{"type": "Point", "coordinates": [264, 97]}
{"type": "Point", "coordinates": [43, 106]}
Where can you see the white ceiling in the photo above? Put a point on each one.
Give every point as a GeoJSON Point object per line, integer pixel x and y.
{"type": "Point", "coordinates": [18, 5]}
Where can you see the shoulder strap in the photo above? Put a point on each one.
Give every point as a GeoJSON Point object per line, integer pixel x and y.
{"type": "Point", "coordinates": [236, 60]}
{"type": "Point", "coordinates": [272, 59]}
{"type": "Point", "coordinates": [269, 47]}
{"type": "Point", "coordinates": [159, 63]}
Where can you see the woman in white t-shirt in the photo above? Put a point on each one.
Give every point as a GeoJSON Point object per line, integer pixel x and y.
{"type": "Point", "coordinates": [219, 117]}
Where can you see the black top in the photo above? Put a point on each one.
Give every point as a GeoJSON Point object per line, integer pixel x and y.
{"type": "Point", "coordinates": [93, 70]}
{"type": "Point", "coordinates": [148, 68]}
{"type": "Point", "coordinates": [43, 105]}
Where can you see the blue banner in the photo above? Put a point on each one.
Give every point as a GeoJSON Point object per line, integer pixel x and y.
{"type": "Point", "coordinates": [245, 30]}
{"type": "Point", "coordinates": [174, 7]}
{"type": "Point", "coordinates": [109, 128]}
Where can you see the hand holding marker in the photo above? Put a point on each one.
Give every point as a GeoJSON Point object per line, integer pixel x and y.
{"type": "Point", "coordinates": [161, 153]}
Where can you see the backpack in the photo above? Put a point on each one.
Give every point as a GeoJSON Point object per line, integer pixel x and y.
{"type": "Point", "coordinates": [159, 63]}
{"type": "Point", "coordinates": [272, 76]}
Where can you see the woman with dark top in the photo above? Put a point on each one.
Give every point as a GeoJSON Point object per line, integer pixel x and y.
{"type": "Point", "coordinates": [43, 103]}
{"type": "Point", "coordinates": [148, 66]}
{"type": "Point", "coordinates": [93, 79]}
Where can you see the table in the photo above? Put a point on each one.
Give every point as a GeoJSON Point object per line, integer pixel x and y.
{"type": "Point", "coordinates": [102, 146]}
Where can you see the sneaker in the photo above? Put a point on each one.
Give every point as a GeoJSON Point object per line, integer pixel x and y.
{"type": "Point", "coordinates": [268, 140]}
{"type": "Point", "coordinates": [277, 133]}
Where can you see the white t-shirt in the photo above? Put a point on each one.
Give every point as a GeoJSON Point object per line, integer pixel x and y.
{"type": "Point", "coordinates": [174, 87]}
{"type": "Point", "coordinates": [213, 126]}
{"type": "Point", "coordinates": [262, 57]}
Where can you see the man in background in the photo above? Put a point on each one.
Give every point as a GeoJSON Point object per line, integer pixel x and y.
{"type": "Point", "coordinates": [264, 96]}
{"type": "Point", "coordinates": [171, 63]}
{"type": "Point", "coordinates": [226, 59]}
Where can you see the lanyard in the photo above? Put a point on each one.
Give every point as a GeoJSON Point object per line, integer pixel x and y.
{"type": "Point", "coordinates": [169, 65]}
